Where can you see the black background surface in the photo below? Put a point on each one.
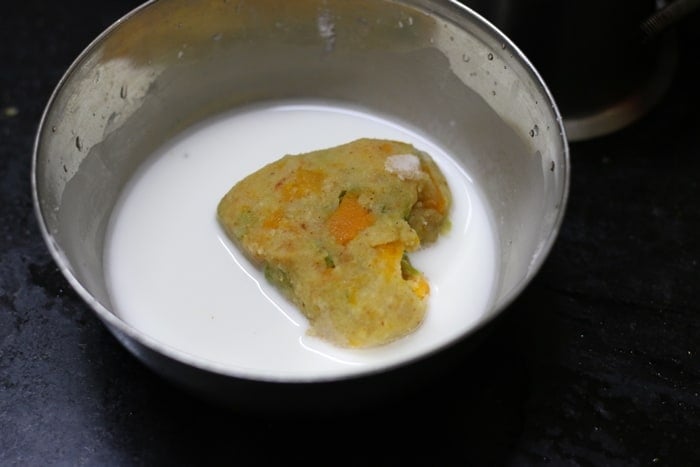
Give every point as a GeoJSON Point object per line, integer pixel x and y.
{"type": "Point", "coordinates": [597, 363]}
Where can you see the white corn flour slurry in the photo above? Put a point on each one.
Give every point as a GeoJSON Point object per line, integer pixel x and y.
{"type": "Point", "coordinates": [174, 274]}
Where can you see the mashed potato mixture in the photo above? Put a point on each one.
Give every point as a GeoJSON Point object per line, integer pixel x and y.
{"type": "Point", "coordinates": [332, 229]}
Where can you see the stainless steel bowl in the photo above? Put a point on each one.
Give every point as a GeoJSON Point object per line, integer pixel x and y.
{"type": "Point", "coordinates": [171, 63]}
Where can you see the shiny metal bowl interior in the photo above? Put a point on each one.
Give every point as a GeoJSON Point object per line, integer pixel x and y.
{"type": "Point", "coordinates": [435, 65]}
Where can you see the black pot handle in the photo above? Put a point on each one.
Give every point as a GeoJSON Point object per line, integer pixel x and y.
{"type": "Point", "coordinates": [667, 16]}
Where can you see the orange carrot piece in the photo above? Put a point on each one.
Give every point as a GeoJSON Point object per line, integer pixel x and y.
{"type": "Point", "coordinates": [389, 256]}
{"type": "Point", "coordinates": [420, 287]}
{"type": "Point", "coordinates": [392, 256]}
{"type": "Point", "coordinates": [303, 183]}
{"type": "Point", "coordinates": [349, 219]}
{"type": "Point", "coordinates": [274, 220]}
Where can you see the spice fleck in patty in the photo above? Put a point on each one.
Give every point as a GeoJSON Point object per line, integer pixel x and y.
{"type": "Point", "coordinates": [332, 229]}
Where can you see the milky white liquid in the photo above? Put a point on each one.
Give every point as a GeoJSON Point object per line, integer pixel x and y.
{"type": "Point", "coordinates": [174, 275]}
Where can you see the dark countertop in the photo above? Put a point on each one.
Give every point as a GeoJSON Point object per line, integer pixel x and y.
{"type": "Point", "coordinates": [597, 363]}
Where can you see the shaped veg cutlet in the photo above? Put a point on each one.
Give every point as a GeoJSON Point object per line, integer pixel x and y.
{"type": "Point", "coordinates": [332, 229]}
